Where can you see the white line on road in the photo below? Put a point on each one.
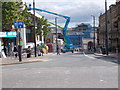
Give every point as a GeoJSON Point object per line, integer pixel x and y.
{"type": "Point", "coordinates": [38, 72]}
{"type": "Point", "coordinates": [67, 72]}
{"type": "Point", "coordinates": [20, 69]}
{"type": "Point", "coordinates": [88, 56]}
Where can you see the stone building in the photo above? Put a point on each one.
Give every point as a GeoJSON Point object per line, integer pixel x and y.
{"type": "Point", "coordinates": [113, 15]}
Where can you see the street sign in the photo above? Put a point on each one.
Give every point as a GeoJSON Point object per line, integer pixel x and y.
{"type": "Point", "coordinates": [18, 24]}
{"type": "Point", "coordinates": [8, 34]}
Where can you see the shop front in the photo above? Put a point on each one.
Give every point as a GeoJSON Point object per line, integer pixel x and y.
{"type": "Point", "coordinates": [7, 42]}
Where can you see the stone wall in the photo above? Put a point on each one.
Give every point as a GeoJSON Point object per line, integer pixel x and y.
{"type": "Point", "coordinates": [113, 27]}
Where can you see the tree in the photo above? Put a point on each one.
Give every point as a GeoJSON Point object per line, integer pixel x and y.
{"type": "Point", "coordinates": [42, 24]}
{"type": "Point", "coordinates": [13, 11]}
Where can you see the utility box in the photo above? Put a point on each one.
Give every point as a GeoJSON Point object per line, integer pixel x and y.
{"type": "Point", "coordinates": [103, 50]}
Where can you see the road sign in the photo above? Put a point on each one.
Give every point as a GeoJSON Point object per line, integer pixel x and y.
{"type": "Point", "coordinates": [18, 24]}
{"type": "Point", "coordinates": [8, 34]}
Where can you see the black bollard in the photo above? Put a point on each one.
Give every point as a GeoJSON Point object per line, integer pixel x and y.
{"type": "Point", "coordinates": [19, 52]}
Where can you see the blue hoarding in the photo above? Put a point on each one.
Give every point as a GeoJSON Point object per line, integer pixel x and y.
{"type": "Point", "coordinates": [76, 40]}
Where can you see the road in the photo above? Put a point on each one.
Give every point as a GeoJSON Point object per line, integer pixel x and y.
{"type": "Point", "coordinates": [68, 70]}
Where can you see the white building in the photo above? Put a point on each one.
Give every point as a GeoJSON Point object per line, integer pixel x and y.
{"type": "Point", "coordinates": [27, 31]}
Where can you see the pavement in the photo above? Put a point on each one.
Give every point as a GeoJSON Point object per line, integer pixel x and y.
{"type": "Point", "coordinates": [111, 55]}
{"type": "Point", "coordinates": [13, 60]}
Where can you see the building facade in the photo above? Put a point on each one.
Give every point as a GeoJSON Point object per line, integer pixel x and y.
{"type": "Point", "coordinates": [85, 35]}
{"type": "Point", "coordinates": [113, 24]}
{"type": "Point", "coordinates": [80, 35]}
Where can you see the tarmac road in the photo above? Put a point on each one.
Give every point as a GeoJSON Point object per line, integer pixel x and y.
{"type": "Point", "coordinates": [68, 70]}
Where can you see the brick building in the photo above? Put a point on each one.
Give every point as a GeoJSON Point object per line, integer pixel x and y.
{"type": "Point", "coordinates": [113, 15]}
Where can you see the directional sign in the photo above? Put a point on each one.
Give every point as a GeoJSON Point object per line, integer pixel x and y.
{"type": "Point", "coordinates": [18, 24]}
{"type": "Point", "coordinates": [15, 24]}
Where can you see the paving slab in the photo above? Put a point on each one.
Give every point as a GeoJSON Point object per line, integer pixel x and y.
{"type": "Point", "coordinates": [13, 60]}
{"type": "Point", "coordinates": [110, 55]}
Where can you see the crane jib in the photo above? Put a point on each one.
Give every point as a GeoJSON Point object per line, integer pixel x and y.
{"type": "Point", "coordinates": [68, 41]}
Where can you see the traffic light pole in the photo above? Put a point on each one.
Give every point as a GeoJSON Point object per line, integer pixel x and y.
{"type": "Point", "coordinates": [106, 27]}
{"type": "Point", "coordinates": [34, 29]}
{"type": "Point", "coordinates": [94, 32]}
{"type": "Point", "coordinates": [56, 35]}
{"type": "Point", "coordinates": [19, 46]}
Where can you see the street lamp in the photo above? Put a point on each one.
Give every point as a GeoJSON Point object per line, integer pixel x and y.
{"type": "Point", "coordinates": [34, 29]}
{"type": "Point", "coordinates": [94, 32]}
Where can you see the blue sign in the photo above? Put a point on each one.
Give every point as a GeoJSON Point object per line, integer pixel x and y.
{"type": "Point", "coordinates": [18, 24]}
{"type": "Point", "coordinates": [8, 34]}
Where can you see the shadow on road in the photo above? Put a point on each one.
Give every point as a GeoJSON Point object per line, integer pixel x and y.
{"type": "Point", "coordinates": [109, 59]}
{"type": "Point", "coordinates": [105, 58]}
{"type": "Point", "coordinates": [83, 52]}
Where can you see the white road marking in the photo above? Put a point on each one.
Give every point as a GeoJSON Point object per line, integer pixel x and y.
{"type": "Point", "coordinates": [20, 69]}
{"type": "Point", "coordinates": [5, 70]}
{"type": "Point", "coordinates": [39, 72]}
{"type": "Point", "coordinates": [88, 56]}
{"type": "Point", "coordinates": [67, 72]}
{"type": "Point", "coordinates": [101, 80]}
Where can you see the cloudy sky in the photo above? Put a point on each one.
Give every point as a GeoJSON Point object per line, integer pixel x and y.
{"type": "Point", "coordinates": [79, 11]}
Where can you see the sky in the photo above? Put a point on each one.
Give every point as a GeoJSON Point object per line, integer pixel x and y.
{"type": "Point", "coordinates": [79, 11]}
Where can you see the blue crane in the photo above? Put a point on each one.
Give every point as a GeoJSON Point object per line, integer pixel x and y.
{"type": "Point", "coordinates": [68, 44]}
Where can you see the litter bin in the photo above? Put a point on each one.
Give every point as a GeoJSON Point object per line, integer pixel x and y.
{"type": "Point", "coordinates": [103, 50]}
{"type": "Point", "coordinates": [28, 52]}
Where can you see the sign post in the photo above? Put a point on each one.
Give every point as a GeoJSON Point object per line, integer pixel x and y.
{"type": "Point", "coordinates": [19, 25]}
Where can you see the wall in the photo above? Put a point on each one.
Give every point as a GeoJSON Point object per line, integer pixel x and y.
{"type": "Point", "coordinates": [113, 27]}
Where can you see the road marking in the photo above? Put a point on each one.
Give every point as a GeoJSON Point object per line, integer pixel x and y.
{"type": "Point", "coordinates": [20, 69]}
{"type": "Point", "coordinates": [88, 56]}
{"type": "Point", "coordinates": [101, 80]}
{"type": "Point", "coordinates": [39, 72]}
{"type": "Point", "coordinates": [5, 69]}
{"type": "Point", "coordinates": [67, 72]}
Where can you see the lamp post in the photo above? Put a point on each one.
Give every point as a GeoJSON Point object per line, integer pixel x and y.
{"type": "Point", "coordinates": [56, 35]}
{"type": "Point", "coordinates": [34, 29]}
{"type": "Point", "coordinates": [106, 28]}
{"type": "Point", "coordinates": [94, 32]}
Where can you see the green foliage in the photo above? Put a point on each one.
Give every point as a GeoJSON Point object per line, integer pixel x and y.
{"type": "Point", "coordinates": [13, 11]}
{"type": "Point", "coordinates": [17, 11]}
{"type": "Point", "coordinates": [42, 24]}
